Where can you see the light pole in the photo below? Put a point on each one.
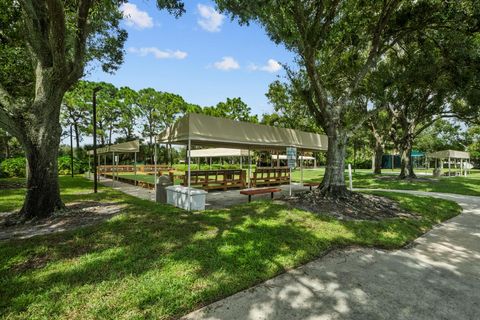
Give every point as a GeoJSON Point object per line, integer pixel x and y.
{"type": "Point", "coordinates": [95, 186]}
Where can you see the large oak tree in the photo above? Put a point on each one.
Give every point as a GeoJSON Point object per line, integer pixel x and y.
{"type": "Point", "coordinates": [426, 74]}
{"type": "Point", "coordinates": [44, 47]}
{"type": "Point", "coordinates": [337, 43]}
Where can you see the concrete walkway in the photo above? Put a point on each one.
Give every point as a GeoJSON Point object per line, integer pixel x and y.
{"type": "Point", "coordinates": [437, 277]}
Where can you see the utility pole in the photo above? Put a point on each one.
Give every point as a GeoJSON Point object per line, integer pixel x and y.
{"type": "Point", "coordinates": [71, 150]}
{"type": "Point", "coordinates": [95, 185]}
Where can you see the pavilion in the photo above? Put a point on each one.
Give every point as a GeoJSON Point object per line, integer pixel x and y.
{"type": "Point", "coordinates": [207, 131]}
{"type": "Point", "coordinates": [449, 155]}
{"type": "Point", "coordinates": [301, 158]}
{"type": "Point", "coordinates": [115, 150]}
{"type": "Point", "coordinates": [210, 153]}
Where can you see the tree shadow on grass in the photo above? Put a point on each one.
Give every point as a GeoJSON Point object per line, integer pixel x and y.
{"type": "Point", "coordinates": [457, 185]}
{"type": "Point", "coordinates": [435, 278]}
{"type": "Point", "coordinates": [231, 249]}
{"type": "Point", "coordinates": [158, 261]}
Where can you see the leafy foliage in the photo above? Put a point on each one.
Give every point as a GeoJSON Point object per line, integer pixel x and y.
{"type": "Point", "coordinates": [64, 165]}
{"type": "Point", "coordinates": [13, 167]}
{"type": "Point", "coordinates": [233, 108]}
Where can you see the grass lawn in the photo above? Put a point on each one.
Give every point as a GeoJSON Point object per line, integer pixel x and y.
{"type": "Point", "coordinates": [11, 199]}
{"type": "Point", "coordinates": [365, 179]}
{"type": "Point", "coordinates": [159, 262]}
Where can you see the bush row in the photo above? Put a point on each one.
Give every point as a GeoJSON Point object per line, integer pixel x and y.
{"type": "Point", "coordinates": [16, 167]}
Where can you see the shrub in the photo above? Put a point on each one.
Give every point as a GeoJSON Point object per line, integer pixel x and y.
{"type": "Point", "coordinates": [363, 164]}
{"type": "Point", "coordinates": [64, 165]}
{"type": "Point", "coordinates": [13, 167]}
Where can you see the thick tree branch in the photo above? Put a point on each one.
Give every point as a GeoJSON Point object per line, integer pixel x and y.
{"type": "Point", "coordinates": [7, 120]}
{"type": "Point", "coordinates": [305, 94]}
{"type": "Point", "coordinates": [57, 33]}
{"type": "Point", "coordinates": [36, 23]}
{"type": "Point", "coordinates": [76, 65]}
{"type": "Point", "coordinates": [375, 50]}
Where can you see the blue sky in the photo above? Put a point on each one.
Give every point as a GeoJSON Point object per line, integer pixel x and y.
{"type": "Point", "coordinates": [202, 56]}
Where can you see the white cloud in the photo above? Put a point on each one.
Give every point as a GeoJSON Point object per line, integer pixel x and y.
{"type": "Point", "coordinates": [272, 66]}
{"type": "Point", "coordinates": [157, 53]}
{"type": "Point", "coordinates": [211, 20]}
{"type": "Point", "coordinates": [227, 63]}
{"type": "Point", "coordinates": [135, 17]}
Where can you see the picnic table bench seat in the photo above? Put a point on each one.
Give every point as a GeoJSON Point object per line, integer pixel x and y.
{"type": "Point", "coordinates": [311, 184]}
{"type": "Point", "coordinates": [115, 168]}
{"type": "Point", "coordinates": [257, 191]}
{"type": "Point", "coordinates": [216, 179]}
{"type": "Point", "coordinates": [270, 176]}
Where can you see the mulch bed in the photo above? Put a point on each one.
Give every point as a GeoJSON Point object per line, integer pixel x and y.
{"type": "Point", "coordinates": [11, 185]}
{"type": "Point", "coordinates": [356, 206]}
{"type": "Point", "coordinates": [417, 179]}
{"type": "Point", "coordinates": [75, 215]}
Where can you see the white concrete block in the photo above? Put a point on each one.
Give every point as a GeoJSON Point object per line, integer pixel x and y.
{"type": "Point", "coordinates": [178, 197]}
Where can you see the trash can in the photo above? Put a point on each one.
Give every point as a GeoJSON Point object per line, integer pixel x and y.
{"type": "Point", "coordinates": [162, 183]}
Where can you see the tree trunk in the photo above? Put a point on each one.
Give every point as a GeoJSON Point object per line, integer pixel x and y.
{"type": "Point", "coordinates": [406, 165]}
{"type": "Point", "coordinates": [101, 135]}
{"type": "Point", "coordinates": [77, 136]}
{"type": "Point", "coordinates": [110, 135]}
{"type": "Point", "coordinates": [378, 155]}
{"type": "Point", "coordinates": [333, 183]}
{"type": "Point", "coordinates": [43, 191]}
{"type": "Point", "coordinates": [41, 138]}
{"type": "Point", "coordinates": [7, 148]}
{"type": "Point", "coordinates": [165, 155]}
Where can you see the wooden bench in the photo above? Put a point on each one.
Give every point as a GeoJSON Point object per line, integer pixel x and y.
{"type": "Point", "coordinates": [311, 184]}
{"type": "Point", "coordinates": [216, 179]}
{"type": "Point", "coordinates": [251, 192]}
{"type": "Point", "coordinates": [118, 168]}
{"type": "Point", "coordinates": [270, 176]}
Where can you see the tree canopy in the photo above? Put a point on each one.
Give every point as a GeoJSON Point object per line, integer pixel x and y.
{"type": "Point", "coordinates": [44, 48]}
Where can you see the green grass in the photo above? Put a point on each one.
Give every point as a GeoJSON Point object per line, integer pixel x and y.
{"type": "Point", "coordinates": [159, 262]}
{"type": "Point", "coordinates": [457, 185]}
{"type": "Point", "coordinates": [365, 179]}
{"type": "Point", "coordinates": [11, 199]}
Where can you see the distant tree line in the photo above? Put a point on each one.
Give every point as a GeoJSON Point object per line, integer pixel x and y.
{"type": "Point", "coordinates": [126, 114]}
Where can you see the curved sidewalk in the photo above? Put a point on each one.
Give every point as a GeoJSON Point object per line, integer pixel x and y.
{"type": "Point", "coordinates": [437, 277]}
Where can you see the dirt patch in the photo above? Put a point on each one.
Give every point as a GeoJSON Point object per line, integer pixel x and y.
{"type": "Point", "coordinates": [11, 185]}
{"type": "Point", "coordinates": [413, 180]}
{"type": "Point", "coordinates": [357, 206]}
{"type": "Point", "coordinates": [32, 263]}
{"type": "Point", "coordinates": [75, 215]}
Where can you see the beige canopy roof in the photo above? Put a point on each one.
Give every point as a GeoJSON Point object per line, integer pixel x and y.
{"type": "Point", "coordinates": [125, 147]}
{"type": "Point", "coordinates": [203, 130]}
{"type": "Point", "coordinates": [445, 154]}
{"type": "Point", "coordinates": [218, 152]}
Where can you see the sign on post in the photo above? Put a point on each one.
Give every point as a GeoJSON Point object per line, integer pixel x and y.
{"type": "Point", "coordinates": [292, 161]}
{"type": "Point", "coordinates": [292, 157]}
